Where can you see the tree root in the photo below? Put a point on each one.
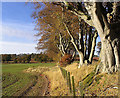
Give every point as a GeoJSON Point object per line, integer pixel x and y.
{"type": "Point", "coordinates": [100, 68]}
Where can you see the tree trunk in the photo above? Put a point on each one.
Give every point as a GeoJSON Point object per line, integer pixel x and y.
{"type": "Point", "coordinates": [61, 43]}
{"type": "Point", "coordinates": [107, 30]}
{"type": "Point", "coordinates": [110, 53]}
{"type": "Point", "coordinates": [81, 59]}
{"type": "Point", "coordinates": [89, 42]}
{"type": "Point", "coordinates": [85, 43]}
{"type": "Point", "coordinates": [93, 47]}
{"type": "Point", "coordinates": [81, 42]}
{"type": "Point", "coordinates": [77, 48]}
{"type": "Point", "coordinates": [73, 55]}
{"type": "Point", "coordinates": [110, 39]}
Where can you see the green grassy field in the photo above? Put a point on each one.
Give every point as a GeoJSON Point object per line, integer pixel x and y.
{"type": "Point", "coordinates": [14, 80]}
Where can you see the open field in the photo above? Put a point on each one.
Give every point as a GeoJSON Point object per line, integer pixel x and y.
{"type": "Point", "coordinates": [15, 68]}
{"type": "Point", "coordinates": [15, 82]}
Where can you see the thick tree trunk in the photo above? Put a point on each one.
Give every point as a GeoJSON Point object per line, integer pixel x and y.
{"type": "Point", "coordinates": [81, 57]}
{"type": "Point", "coordinates": [110, 53]}
{"type": "Point", "coordinates": [108, 31]}
{"type": "Point", "coordinates": [110, 39]}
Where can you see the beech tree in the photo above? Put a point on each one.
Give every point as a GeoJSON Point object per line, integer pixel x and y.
{"type": "Point", "coordinates": [53, 37]}
{"type": "Point", "coordinates": [105, 17]}
{"type": "Point", "coordinates": [64, 28]}
{"type": "Point", "coordinates": [85, 42]}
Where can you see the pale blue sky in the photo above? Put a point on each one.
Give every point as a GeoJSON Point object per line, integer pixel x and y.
{"type": "Point", "coordinates": [17, 28]}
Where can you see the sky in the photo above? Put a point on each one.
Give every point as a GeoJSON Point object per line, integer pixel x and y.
{"type": "Point", "coordinates": [17, 28]}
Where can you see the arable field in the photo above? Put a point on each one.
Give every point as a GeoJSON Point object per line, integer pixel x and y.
{"type": "Point", "coordinates": [15, 82]}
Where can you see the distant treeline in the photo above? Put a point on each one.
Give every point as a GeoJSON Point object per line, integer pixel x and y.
{"type": "Point", "coordinates": [25, 58]}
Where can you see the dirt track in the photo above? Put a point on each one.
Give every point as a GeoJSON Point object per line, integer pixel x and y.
{"type": "Point", "coordinates": [40, 87]}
